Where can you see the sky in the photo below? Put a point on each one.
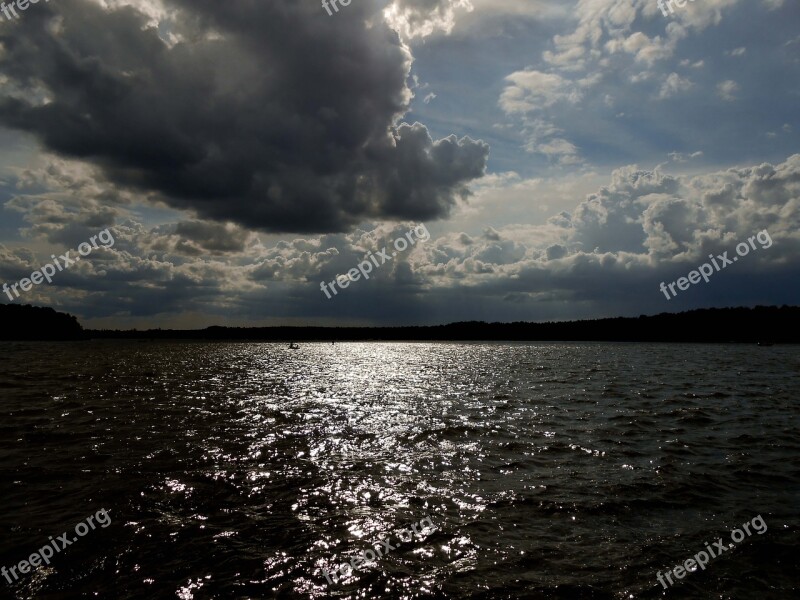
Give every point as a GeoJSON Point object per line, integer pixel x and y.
{"type": "Point", "coordinates": [543, 160]}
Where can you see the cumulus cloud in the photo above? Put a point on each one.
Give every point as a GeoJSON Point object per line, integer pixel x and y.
{"type": "Point", "coordinates": [417, 20]}
{"type": "Point", "coordinates": [244, 152]}
{"type": "Point", "coordinates": [727, 90]}
{"type": "Point", "coordinates": [531, 90]}
{"type": "Point", "coordinates": [607, 254]}
{"type": "Point", "coordinates": [616, 50]}
{"type": "Point", "coordinates": [212, 237]}
{"type": "Point", "coordinates": [674, 84]}
{"type": "Point", "coordinates": [269, 115]}
{"type": "Point", "coordinates": [421, 18]}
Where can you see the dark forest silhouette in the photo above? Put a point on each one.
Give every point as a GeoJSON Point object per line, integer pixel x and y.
{"type": "Point", "coordinates": [26, 322]}
{"type": "Point", "coordinates": [748, 325]}
{"type": "Point", "coordinates": [760, 324]}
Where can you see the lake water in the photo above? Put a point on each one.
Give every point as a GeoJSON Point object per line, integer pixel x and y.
{"type": "Point", "coordinates": [549, 470]}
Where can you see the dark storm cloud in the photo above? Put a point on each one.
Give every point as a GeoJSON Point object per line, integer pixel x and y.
{"type": "Point", "coordinates": [212, 236]}
{"type": "Point", "coordinates": [270, 114]}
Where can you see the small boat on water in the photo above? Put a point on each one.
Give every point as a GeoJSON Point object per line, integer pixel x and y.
{"type": "Point", "coordinates": [294, 346]}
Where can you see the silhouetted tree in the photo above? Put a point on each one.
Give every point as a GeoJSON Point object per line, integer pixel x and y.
{"type": "Point", "coordinates": [26, 322]}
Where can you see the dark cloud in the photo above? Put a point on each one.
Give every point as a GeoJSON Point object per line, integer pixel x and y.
{"type": "Point", "coordinates": [270, 114]}
{"type": "Point", "coordinates": [556, 251]}
{"type": "Point", "coordinates": [212, 236]}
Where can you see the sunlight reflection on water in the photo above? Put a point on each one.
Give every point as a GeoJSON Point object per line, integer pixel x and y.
{"type": "Point", "coordinates": [549, 470]}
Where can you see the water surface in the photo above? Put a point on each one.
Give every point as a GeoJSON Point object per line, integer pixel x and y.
{"type": "Point", "coordinates": [550, 470]}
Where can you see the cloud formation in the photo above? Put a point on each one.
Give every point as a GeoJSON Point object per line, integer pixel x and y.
{"type": "Point", "coordinates": [243, 152]}
{"type": "Point", "coordinates": [613, 58]}
{"type": "Point", "coordinates": [271, 115]}
{"type": "Point", "coordinates": [606, 256]}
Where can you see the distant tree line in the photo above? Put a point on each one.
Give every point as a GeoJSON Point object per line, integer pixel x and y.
{"type": "Point", "coordinates": [763, 324]}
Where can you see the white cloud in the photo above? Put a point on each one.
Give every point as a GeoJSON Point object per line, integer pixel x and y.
{"type": "Point", "coordinates": [416, 20]}
{"type": "Point", "coordinates": [727, 90]}
{"type": "Point", "coordinates": [533, 90]}
{"type": "Point", "coordinates": [679, 157]}
{"type": "Point", "coordinates": [422, 18]}
{"type": "Point", "coordinates": [673, 85]}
